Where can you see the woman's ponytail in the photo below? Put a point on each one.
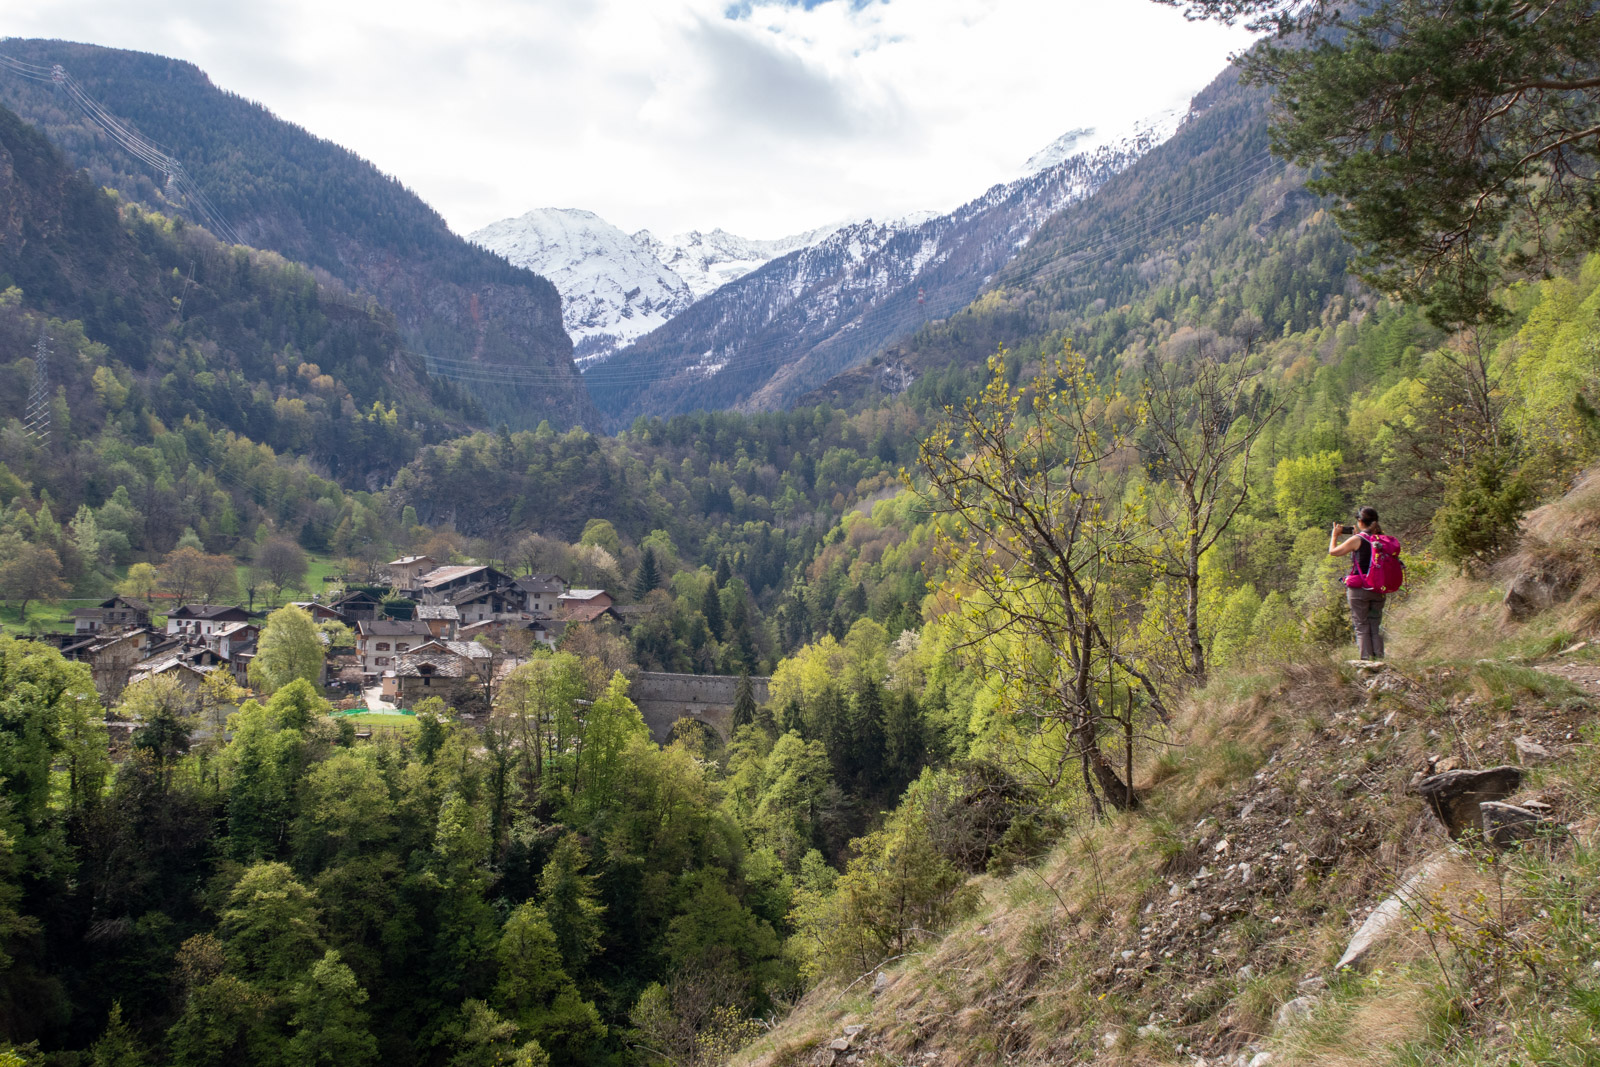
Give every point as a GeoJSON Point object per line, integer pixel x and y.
{"type": "Point", "coordinates": [1369, 517]}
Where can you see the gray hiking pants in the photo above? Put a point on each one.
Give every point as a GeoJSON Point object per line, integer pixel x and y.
{"type": "Point", "coordinates": [1366, 615]}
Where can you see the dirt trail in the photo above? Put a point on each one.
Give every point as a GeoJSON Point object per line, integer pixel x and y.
{"type": "Point", "coordinates": [1584, 675]}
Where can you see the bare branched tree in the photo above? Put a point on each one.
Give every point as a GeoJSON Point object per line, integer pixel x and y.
{"type": "Point", "coordinates": [1031, 548]}
{"type": "Point", "coordinates": [1202, 418]}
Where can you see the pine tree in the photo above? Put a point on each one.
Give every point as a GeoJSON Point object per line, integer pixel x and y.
{"type": "Point", "coordinates": [711, 608]}
{"type": "Point", "coordinates": [648, 576]}
{"type": "Point", "coordinates": [571, 903]}
{"type": "Point", "coordinates": [119, 1045]}
{"type": "Point", "coordinates": [744, 702]}
{"type": "Point", "coordinates": [904, 740]}
{"type": "Point", "coordinates": [866, 734]}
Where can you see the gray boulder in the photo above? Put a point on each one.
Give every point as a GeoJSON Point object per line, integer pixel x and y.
{"type": "Point", "coordinates": [1455, 796]}
{"type": "Point", "coordinates": [1538, 588]}
{"type": "Point", "coordinates": [1506, 824]}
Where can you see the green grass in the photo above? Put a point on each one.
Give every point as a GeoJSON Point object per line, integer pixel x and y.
{"type": "Point", "coordinates": [319, 567]}
{"type": "Point", "coordinates": [403, 722]}
{"type": "Point", "coordinates": [57, 616]}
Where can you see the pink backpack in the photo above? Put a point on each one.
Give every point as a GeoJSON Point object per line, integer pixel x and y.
{"type": "Point", "coordinates": [1386, 573]}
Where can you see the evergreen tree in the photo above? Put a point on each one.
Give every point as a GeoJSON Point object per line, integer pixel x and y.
{"type": "Point", "coordinates": [118, 1046]}
{"type": "Point", "coordinates": [571, 902]}
{"type": "Point", "coordinates": [866, 745]}
{"type": "Point", "coordinates": [711, 608]}
{"type": "Point", "coordinates": [904, 740]}
{"type": "Point", "coordinates": [744, 702]}
{"type": "Point", "coordinates": [648, 576]}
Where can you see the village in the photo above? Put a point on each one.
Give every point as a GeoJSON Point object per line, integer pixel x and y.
{"type": "Point", "coordinates": [453, 632]}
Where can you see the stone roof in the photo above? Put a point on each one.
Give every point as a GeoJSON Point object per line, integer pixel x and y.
{"type": "Point", "coordinates": [446, 659]}
{"type": "Point", "coordinates": [582, 594]}
{"type": "Point", "coordinates": [440, 665]}
{"type": "Point", "coordinates": [406, 561]}
{"type": "Point", "coordinates": [541, 583]}
{"type": "Point", "coordinates": [452, 573]}
{"type": "Point", "coordinates": [206, 611]}
{"type": "Point", "coordinates": [392, 627]}
{"type": "Point", "coordinates": [437, 611]}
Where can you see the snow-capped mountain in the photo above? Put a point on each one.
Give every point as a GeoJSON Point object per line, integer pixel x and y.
{"type": "Point", "coordinates": [765, 338]}
{"type": "Point", "coordinates": [708, 261]}
{"type": "Point", "coordinates": [613, 289]}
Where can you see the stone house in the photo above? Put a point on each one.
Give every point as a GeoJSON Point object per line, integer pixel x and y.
{"type": "Point", "coordinates": [118, 613]}
{"type": "Point", "coordinates": [448, 670]}
{"type": "Point", "coordinates": [442, 619]}
{"type": "Point", "coordinates": [540, 592]}
{"type": "Point", "coordinates": [583, 605]}
{"type": "Point", "coordinates": [406, 572]}
{"type": "Point", "coordinates": [380, 641]}
{"type": "Point", "coordinates": [203, 620]}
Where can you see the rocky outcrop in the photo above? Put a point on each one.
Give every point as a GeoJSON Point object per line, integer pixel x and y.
{"type": "Point", "coordinates": [1505, 824]}
{"type": "Point", "coordinates": [1455, 796]}
{"type": "Point", "coordinates": [1538, 588]}
{"type": "Point", "coordinates": [1394, 915]}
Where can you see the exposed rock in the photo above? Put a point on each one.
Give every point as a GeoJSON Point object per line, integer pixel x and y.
{"type": "Point", "coordinates": [880, 983]}
{"type": "Point", "coordinates": [1506, 824]}
{"type": "Point", "coordinates": [1261, 1059]}
{"type": "Point", "coordinates": [1536, 589]}
{"type": "Point", "coordinates": [1294, 1011]}
{"type": "Point", "coordinates": [1391, 916]}
{"type": "Point", "coordinates": [1531, 751]}
{"type": "Point", "coordinates": [1454, 796]}
{"type": "Point", "coordinates": [824, 1057]}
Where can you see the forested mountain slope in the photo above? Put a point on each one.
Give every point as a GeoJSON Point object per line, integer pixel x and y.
{"type": "Point", "coordinates": [177, 326]}
{"type": "Point", "coordinates": [1207, 229]}
{"type": "Point", "coordinates": [281, 188]}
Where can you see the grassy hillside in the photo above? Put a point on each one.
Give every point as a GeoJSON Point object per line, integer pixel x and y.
{"type": "Point", "coordinates": [1279, 814]}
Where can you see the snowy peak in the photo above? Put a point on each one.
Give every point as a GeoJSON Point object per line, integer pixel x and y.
{"type": "Point", "coordinates": [764, 339]}
{"type": "Point", "coordinates": [708, 261]}
{"type": "Point", "coordinates": [612, 289]}
{"type": "Point", "coordinates": [1058, 151]}
{"type": "Point", "coordinates": [615, 288]}
{"type": "Point", "coordinates": [1087, 141]}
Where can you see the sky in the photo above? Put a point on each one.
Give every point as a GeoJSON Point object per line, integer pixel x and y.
{"type": "Point", "coordinates": [763, 117]}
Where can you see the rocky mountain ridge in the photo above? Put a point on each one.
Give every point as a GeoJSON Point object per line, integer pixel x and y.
{"type": "Point", "coordinates": [761, 341]}
{"type": "Point", "coordinates": [616, 287]}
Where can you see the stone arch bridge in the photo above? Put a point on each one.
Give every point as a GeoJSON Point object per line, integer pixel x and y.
{"type": "Point", "coordinates": [664, 698]}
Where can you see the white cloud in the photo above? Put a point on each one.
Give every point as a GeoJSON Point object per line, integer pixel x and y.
{"type": "Point", "coordinates": [765, 118]}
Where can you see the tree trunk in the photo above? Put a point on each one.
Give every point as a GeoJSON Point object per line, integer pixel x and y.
{"type": "Point", "coordinates": [1191, 607]}
{"type": "Point", "coordinates": [1122, 795]}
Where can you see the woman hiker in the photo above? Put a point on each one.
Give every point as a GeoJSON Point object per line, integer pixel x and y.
{"type": "Point", "coordinates": [1366, 605]}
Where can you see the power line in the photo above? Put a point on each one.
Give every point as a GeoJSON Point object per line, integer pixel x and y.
{"type": "Point", "coordinates": [37, 419]}
{"type": "Point", "coordinates": [130, 141]}
{"type": "Point", "coordinates": [770, 352]}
